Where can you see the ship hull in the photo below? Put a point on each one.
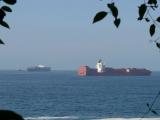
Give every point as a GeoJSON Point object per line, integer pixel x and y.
{"type": "Point", "coordinates": [87, 71]}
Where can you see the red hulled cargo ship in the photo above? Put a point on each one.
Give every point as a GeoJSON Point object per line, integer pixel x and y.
{"type": "Point", "coordinates": [101, 70]}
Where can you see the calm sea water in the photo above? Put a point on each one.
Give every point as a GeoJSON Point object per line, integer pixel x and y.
{"type": "Point", "coordinates": [63, 95]}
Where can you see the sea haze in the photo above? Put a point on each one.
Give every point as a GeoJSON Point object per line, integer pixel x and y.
{"type": "Point", "coordinates": [62, 95]}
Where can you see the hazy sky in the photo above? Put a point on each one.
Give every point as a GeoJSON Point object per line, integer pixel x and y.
{"type": "Point", "coordinates": [60, 34]}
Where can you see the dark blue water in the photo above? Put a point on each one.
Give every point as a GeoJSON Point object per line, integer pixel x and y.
{"type": "Point", "coordinates": [64, 95]}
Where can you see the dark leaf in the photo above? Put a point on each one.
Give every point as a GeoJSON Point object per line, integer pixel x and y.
{"type": "Point", "coordinates": [10, 115]}
{"type": "Point", "coordinates": [147, 105]}
{"type": "Point", "coordinates": [113, 9]}
{"type": "Point", "coordinates": [158, 45]}
{"type": "Point", "coordinates": [2, 15]}
{"type": "Point", "coordinates": [154, 112]}
{"type": "Point", "coordinates": [11, 2]}
{"type": "Point", "coordinates": [152, 29]}
{"type": "Point", "coordinates": [6, 8]}
{"type": "Point", "coordinates": [1, 42]}
{"type": "Point", "coordinates": [99, 16]}
{"type": "Point", "coordinates": [4, 24]}
{"type": "Point", "coordinates": [147, 20]}
{"type": "Point", "coordinates": [117, 22]}
{"type": "Point", "coordinates": [110, 5]}
{"type": "Point", "coordinates": [142, 11]}
{"type": "Point", "coordinates": [152, 2]}
{"type": "Point", "coordinates": [158, 19]}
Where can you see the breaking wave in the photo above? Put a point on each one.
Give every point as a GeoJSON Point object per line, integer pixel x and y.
{"type": "Point", "coordinates": [53, 118]}
{"type": "Point", "coordinates": [84, 118]}
{"type": "Point", "coordinates": [128, 119]}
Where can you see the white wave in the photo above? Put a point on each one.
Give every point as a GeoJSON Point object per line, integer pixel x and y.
{"type": "Point", "coordinates": [83, 118]}
{"type": "Point", "coordinates": [53, 118]}
{"type": "Point", "coordinates": [128, 119]}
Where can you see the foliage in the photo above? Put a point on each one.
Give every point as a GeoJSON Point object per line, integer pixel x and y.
{"type": "Point", "coordinates": [3, 10]}
{"type": "Point", "coordinates": [146, 12]}
{"type": "Point", "coordinates": [10, 115]}
{"type": "Point", "coordinates": [113, 10]}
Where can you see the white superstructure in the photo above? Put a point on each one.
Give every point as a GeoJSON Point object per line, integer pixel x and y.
{"type": "Point", "coordinates": [100, 66]}
{"type": "Point", "coordinates": [40, 66]}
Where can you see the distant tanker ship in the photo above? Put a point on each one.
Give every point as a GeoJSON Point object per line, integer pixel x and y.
{"type": "Point", "coordinates": [39, 68]}
{"type": "Point", "coordinates": [101, 70]}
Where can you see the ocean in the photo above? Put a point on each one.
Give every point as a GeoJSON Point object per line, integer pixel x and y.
{"type": "Point", "coordinates": [62, 95]}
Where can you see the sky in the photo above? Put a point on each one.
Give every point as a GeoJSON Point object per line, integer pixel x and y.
{"type": "Point", "coordinates": [60, 34]}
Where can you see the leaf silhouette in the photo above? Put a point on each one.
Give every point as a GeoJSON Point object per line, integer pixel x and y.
{"type": "Point", "coordinates": [117, 22]}
{"type": "Point", "coordinates": [152, 29]}
{"type": "Point", "coordinates": [152, 2]}
{"type": "Point", "coordinates": [154, 112]}
{"type": "Point", "coordinates": [113, 9]}
{"type": "Point", "coordinates": [147, 105]}
{"type": "Point", "coordinates": [147, 20]}
{"type": "Point", "coordinates": [6, 8]}
{"type": "Point", "coordinates": [99, 16]}
{"type": "Point", "coordinates": [11, 2]}
{"type": "Point", "coordinates": [142, 11]}
{"type": "Point", "coordinates": [1, 42]}
{"type": "Point", "coordinates": [2, 14]}
{"type": "Point", "coordinates": [4, 24]}
{"type": "Point", "coordinates": [10, 115]}
{"type": "Point", "coordinates": [158, 45]}
{"type": "Point", "coordinates": [158, 19]}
